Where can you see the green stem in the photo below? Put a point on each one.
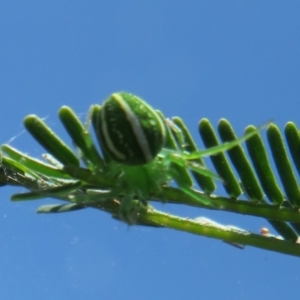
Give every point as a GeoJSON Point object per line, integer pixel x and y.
{"type": "Point", "coordinates": [227, 234]}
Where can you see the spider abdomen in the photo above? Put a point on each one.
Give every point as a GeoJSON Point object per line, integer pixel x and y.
{"type": "Point", "coordinates": [129, 130]}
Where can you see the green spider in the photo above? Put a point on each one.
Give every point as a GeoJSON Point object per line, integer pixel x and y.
{"type": "Point", "coordinates": [144, 151]}
{"type": "Point", "coordinates": [139, 149]}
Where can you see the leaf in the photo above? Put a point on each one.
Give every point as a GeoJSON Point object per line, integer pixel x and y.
{"type": "Point", "coordinates": [250, 181]}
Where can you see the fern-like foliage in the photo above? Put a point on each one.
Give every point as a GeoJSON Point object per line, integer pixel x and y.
{"type": "Point", "coordinates": [249, 180]}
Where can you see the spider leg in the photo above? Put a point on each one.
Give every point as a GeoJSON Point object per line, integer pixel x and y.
{"type": "Point", "coordinates": [129, 208]}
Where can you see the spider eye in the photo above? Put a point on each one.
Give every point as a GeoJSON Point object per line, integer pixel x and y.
{"type": "Point", "coordinates": [129, 130]}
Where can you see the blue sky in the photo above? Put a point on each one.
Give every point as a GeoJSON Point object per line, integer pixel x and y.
{"type": "Point", "coordinates": [238, 60]}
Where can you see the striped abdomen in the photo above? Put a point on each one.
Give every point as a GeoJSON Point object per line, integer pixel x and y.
{"type": "Point", "coordinates": [130, 131]}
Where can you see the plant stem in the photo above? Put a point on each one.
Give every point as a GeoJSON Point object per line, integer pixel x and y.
{"type": "Point", "coordinates": [224, 233]}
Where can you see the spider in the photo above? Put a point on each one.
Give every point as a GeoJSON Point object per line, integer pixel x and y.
{"type": "Point", "coordinates": [144, 151]}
